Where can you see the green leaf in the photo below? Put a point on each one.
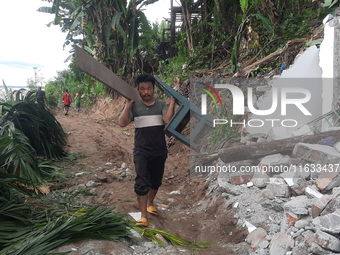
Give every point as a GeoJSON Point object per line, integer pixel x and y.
{"type": "Point", "coordinates": [58, 20]}
{"type": "Point", "coordinates": [329, 3]}
{"type": "Point", "coordinates": [239, 18]}
{"type": "Point", "coordinates": [77, 20]}
{"type": "Point", "coordinates": [266, 22]}
{"type": "Point", "coordinates": [244, 5]}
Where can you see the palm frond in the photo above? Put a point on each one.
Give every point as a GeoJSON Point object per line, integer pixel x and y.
{"type": "Point", "coordinates": [57, 231]}
{"type": "Point", "coordinates": [150, 234]}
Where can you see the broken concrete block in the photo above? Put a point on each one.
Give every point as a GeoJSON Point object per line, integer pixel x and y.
{"type": "Point", "coordinates": [298, 233]}
{"type": "Point", "coordinates": [337, 146]}
{"type": "Point", "coordinates": [301, 223]}
{"type": "Point", "coordinates": [279, 244]}
{"type": "Point", "coordinates": [316, 249]}
{"type": "Point", "coordinates": [311, 192]}
{"type": "Point", "coordinates": [320, 204]}
{"type": "Point", "coordinates": [278, 133]}
{"type": "Point", "coordinates": [296, 184]}
{"type": "Point", "coordinates": [278, 188]}
{"type": "Point", "coordinates": [241, 178]}
{"type": "Point", "coordinates": [276, 159]}
{"type": "Point", "coordinates": [260, 179]}
{"type": "Point", "coordinates": [256, 237]}
{"type": "Point", "coordinates": [332, 206]}
{"type": "Point", "coordinates": [297, 205]}
{"type": "Point", "coordinates": [329, 223]}
{"type": "Point", "coordinates": [264, 244]}
{"type": "Point", "coordinates": [307, 234]}
{"type": "Point", "coordinates": [315, 153]}
{"type": "Point", "coordinates": [304, 130]}
{"type": "Point", "coordinates": [328, 180]}
{"type": "Point", "coordinates": [325, 241]}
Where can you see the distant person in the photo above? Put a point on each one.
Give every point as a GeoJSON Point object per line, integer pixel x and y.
{"type": "Point", "coordinates": [143, 53]}
{"type": "Point", "coordinates": [67, 101]}
{"type": "Point", "coordinates": [160, 50]}
{"type": "Point", "coordinates": [40, 95]}
{"type": "Point", "coordinates": [77, 102]}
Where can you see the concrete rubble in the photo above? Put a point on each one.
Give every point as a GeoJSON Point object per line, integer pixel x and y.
{"type": "Point", "coordinates": [295, 211]}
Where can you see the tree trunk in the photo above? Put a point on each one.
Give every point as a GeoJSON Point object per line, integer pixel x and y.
{"type": "Point", "coordinates": [187, 23]}
{"type": "Point", "coordinates": [284, 146]}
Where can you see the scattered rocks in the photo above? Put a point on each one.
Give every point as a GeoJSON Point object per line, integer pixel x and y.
{"type": "Point", "coordinates": [329, 223]}
{"type": "Point", "coordinates": [276, 188]}
{"type": "Point", "coordinates": [256, 237]}
{"type": "Point", "coordinates": [325, 241]}
{"type": "Point", "coordinates": [297, 205]}
{"type": "Point", "coordinates": [301, 223]}
{"type": "Point", "coordinates": [320, 204]}
{"type": "Point", "coordinates": [92, 184]}
{"type": "Point", "coordinates": [315, 153]}
{"type": "Point", "coordinates": [239, 179]}
{"type": "Point", "coordinates": [280, 244]}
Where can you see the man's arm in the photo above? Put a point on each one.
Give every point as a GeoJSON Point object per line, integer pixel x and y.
{"type": "Point", "coordinates": [124, 119]}
{"type": "Point", "coordinates": [170, 111]}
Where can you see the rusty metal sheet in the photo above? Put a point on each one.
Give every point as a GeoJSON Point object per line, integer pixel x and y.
{"type": "Point", "coordinates": [92, 67]}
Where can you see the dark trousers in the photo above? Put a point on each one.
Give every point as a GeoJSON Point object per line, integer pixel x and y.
{"type": "Point", "coordinates": [149, 172]}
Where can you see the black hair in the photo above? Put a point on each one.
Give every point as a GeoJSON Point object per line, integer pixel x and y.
{"type": "Point", "coordinates": [145, 78]}
{"type": "Point", "coordinates": [66, 90]}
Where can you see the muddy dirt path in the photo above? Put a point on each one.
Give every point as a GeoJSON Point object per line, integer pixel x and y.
{"type": "Point", "coordinates": [191, 215]}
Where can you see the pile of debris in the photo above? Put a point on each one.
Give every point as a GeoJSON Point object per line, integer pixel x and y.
{"type": "Point", "coordinates": [290, 203]}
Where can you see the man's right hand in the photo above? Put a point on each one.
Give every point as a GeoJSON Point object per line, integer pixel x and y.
{"type": "Point", "coordinates": [129, 102]}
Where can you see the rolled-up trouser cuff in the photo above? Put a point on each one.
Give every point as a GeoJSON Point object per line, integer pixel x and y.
{"type": "Point", "coordinates": [149, 172]}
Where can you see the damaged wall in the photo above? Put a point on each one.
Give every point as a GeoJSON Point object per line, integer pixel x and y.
{"type": "Point", "coordinates": [317, 70]}
{"type": "Point", "coordinates": [327, 65]}
{"type": "Point", "coordinates": [306, 74]}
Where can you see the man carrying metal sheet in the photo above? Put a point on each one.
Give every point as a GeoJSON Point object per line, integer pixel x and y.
{"type": "Point", "coordinates": [150, 152]}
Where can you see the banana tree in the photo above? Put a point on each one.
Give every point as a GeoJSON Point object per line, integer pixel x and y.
{"type": "Point", "coordinates": [110, 28]}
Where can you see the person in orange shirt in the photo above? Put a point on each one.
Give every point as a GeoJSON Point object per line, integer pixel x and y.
{"type": "Point", "coordinates": [67, 101]}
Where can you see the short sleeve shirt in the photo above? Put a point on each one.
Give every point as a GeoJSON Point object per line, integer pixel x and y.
{"type": "Point", "coordinates": [149, 125]}
{"type": "Point", "coordinates": [67, 98]}
{"type": "Point", "coordinates": [40, 95]}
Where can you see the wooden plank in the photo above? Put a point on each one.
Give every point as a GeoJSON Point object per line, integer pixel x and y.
{"type": "Point", "coordinates": [92, 67]}
{"type": "Point", "coordinates": [259, 150]}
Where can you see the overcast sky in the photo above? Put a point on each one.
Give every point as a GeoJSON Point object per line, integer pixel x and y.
{"type": "Point", "coordinates": [27, 42]}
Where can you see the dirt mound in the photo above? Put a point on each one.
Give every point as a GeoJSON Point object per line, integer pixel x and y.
{"type": "Point", "coordinates": [107, 107]}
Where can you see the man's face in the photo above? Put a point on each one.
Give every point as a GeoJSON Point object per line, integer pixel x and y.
{"type": "Point", "coordinates": [146, 91]}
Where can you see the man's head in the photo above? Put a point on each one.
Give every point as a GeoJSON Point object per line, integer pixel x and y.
{"type": "Point", "coordinates": [146, 87]}
{"type": "Point", "coordinates": [66, 90]}
{"type": "Point", "coordinates": [39, 88]}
